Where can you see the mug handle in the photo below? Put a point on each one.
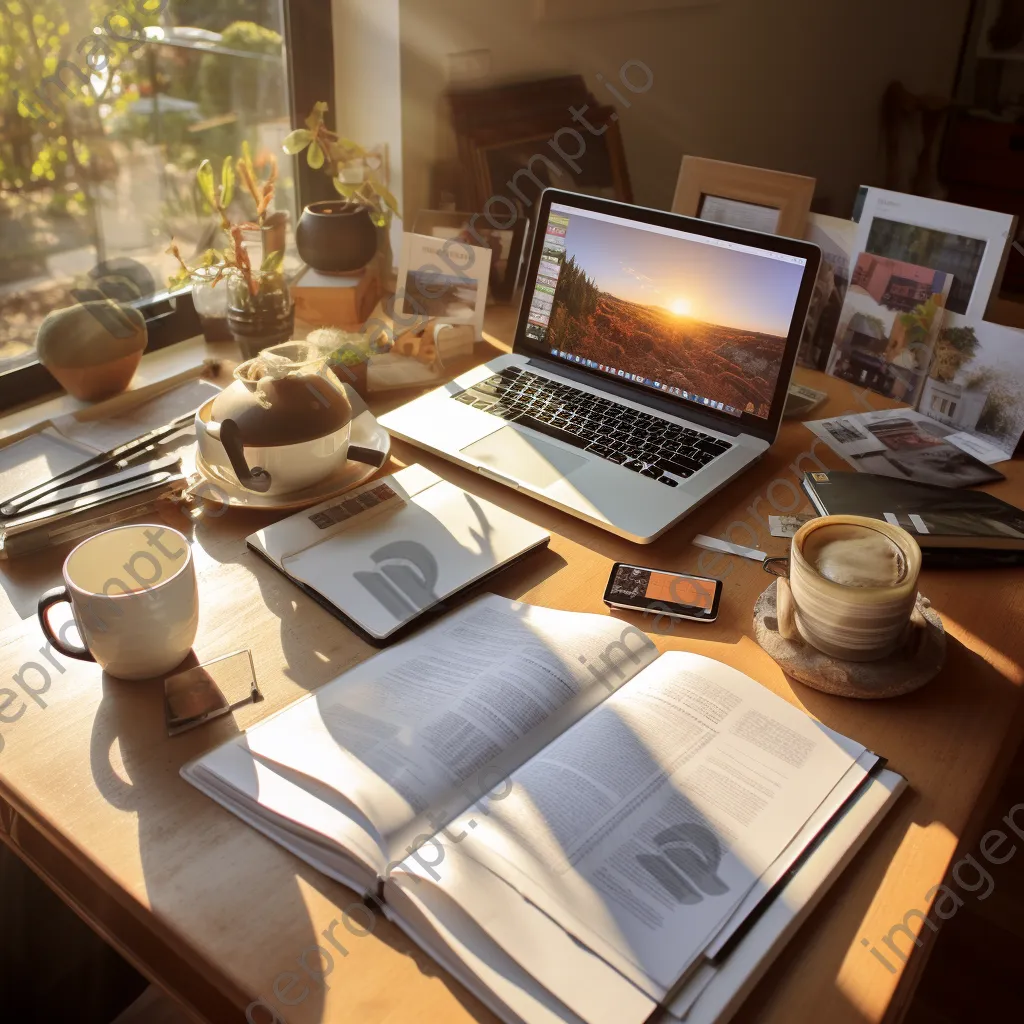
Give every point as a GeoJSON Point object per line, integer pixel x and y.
{"type": "Point", "coordinates": [46, 602]}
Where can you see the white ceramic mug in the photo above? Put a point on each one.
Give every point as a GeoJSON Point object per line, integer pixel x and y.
{"type": "Point", "coordinates": [863, 615]}
{"type": "Point", "coordinates": [133, 594]}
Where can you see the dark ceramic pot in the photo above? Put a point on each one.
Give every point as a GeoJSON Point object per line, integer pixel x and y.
{"type": "Point", "coordinates": [336, 237]}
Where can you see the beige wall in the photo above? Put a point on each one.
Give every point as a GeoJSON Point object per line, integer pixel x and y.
{"type": "Point", "coordinates": [788, 84]}
{"type": "Point", "coordinates": [367, 82]}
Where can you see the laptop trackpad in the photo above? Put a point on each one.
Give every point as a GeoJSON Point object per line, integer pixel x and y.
{"type": "Point", "coordinates": [514, 454]}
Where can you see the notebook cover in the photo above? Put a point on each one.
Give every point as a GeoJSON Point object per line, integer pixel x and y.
{"type": "Point", "coordinates": [426, 616]}
{"type": "Point", "coordinates": [417, 542]}
{"type": "Point", "coordinates": [956, 524]}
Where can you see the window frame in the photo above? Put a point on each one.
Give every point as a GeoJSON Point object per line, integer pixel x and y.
{"type": "Point", "coordinates": [170, 316]}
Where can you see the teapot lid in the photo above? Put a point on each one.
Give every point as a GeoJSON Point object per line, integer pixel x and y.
{"type": "Point", "coordinates": [284, 396]}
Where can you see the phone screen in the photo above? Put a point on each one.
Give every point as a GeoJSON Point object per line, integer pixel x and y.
{"type": "Point", "coordinates": [637, 587]}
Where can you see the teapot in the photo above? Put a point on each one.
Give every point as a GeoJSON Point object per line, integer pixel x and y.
{"type": "Point", "coordinates": [283, 425]}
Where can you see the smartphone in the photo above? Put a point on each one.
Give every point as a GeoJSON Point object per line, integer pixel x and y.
{"type": "Point", "coordinates": [674, 594]}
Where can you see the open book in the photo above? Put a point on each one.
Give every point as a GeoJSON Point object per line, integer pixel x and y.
{"type": "Point", "coordinates": [577, 828]}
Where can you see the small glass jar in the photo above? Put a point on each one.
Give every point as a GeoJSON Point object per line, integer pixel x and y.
{"type": "Point", "coordinates": [211, 302]}
{"type": "Point", "coordinates": [261, 320]}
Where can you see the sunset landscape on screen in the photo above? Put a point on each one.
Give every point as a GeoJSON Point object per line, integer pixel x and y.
{"type": "Point", "coordinates": [708, 319]}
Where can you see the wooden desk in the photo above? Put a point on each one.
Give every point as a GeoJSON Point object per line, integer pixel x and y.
{"type": "Point", "coordinates": [215, 914]}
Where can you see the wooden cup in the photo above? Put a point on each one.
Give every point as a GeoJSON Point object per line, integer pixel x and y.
{"type": "Point", "coordinates": [852, 622]}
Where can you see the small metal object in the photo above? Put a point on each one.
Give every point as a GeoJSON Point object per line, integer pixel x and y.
{"type": "Point", "coordinates": [116, 459]}
{"type": "Point", "coordinates": [777, 566]}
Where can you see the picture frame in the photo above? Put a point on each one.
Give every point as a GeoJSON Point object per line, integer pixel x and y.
{"type": "Point", "coordinates": [499, 152]}
{"type": "Point", "coordinates": [751, 197]}
{"type": "Point", "coordinates": [496, 109]}
{"type": "Point", "coordinates": [576, 10]}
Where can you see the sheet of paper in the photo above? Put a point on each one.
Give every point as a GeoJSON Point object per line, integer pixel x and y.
{"type": "Point", "coordinates": [642, 827]}
{"type": "Point", "coordinates": [483, 922]}
{"type": "Point", "coordinates": [434, 723]}
{"type": "Point", "coordinates": [834, 237]}
{"type": "Point", "coordinates": [739, 214]}
{"type": "Point", "coordinates": [818, 822]}
{"type": "Point", "coordinates": [787, 526]}
{"type": "Point", "coordinates": [36, 459]}
{"type": "Point", "coordinates": [902, 443]}
{"type": "Point", "coordinates": [979, 447]}
{"type": "Point", "coordinates": [103, 434]}
{"type": "Point", "coordinates": [722, 994]}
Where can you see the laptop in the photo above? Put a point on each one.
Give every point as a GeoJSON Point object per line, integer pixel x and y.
{"type": "Point", "coordinates": [651, 362]}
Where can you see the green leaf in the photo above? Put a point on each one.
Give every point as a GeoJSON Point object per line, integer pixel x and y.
{"type": "Point", "coordinates": [315, 156]}
{"type": "Point", "coordinates": [227, 182]}
{"type": "Point", "coordinates": [378, 218]}
{"type": "Point", "coordinates": [389, 200]}
{"type": "Point", "coordinates": [272, 262]}
{"type": "Point", "coordinates": [348, 191]}
{"type": "Point", "coordinates": [247, 159]}
{"type": "Point", "coordinates": [316, 116]}
{"type": "Point", "coordinates": [297, 141]}
{"type": "Point", "coordinates": [178, 280]}
{"type": "Point", "coordinates": [205, 178]}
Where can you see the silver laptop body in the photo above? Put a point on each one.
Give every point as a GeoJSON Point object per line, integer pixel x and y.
{"type": "Point", "coordinates": [650, 367]}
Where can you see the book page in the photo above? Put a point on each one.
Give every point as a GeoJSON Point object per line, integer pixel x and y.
{"type": "Point", "coordinates": [421, 731]}
{"type": "Point", "coordinates": [642, 827]}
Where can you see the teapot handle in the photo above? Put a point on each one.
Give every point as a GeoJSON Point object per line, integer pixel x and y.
{"type": "Point", "coordinates": [227, 432]}
{"type": "Point", "coordinates": [368, 456]}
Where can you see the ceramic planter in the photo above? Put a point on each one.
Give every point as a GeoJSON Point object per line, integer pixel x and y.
{"type": "Point", "coordinates": [94, 348]}
{"type": "Point", "coordinates": [336, 237]}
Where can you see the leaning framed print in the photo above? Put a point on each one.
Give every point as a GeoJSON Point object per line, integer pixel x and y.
{"type": "Point", "coordinates": [744, 197]}
{"type": "Point", "coordinates": [515, 162]}
{"type": "Point", "coordinates": [577, 10]}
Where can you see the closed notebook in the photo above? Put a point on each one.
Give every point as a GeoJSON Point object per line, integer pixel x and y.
{"type": "Point", "coordinates": [940, 518]}
{"type": "Point", "coordinates": [393, 550]}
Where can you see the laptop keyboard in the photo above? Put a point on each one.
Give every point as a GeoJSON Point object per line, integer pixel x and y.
{"type": "Point", "coordinates": [645, 444]}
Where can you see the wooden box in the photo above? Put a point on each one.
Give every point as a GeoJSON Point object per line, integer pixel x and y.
{"type": "Point", "coordinates": [336, 300]}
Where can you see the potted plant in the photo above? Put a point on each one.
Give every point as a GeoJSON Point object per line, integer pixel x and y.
{"type": "Point", "coordinates": [340, 236]}
{"type": "Point", "coordinates": [347, 355]}
{"type": "Point", "coordinates": [260, 312]}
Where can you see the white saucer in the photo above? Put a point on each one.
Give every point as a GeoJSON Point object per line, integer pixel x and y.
{"type": "Point", "coordinates": [225, 490]}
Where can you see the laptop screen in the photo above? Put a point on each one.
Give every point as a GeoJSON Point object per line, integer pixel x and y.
{"type": "Point", "coordinates": [685, 315]}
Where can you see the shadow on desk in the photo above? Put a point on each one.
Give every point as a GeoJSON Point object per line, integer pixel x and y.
{"type": "Point", "coordinates": [130, 759]}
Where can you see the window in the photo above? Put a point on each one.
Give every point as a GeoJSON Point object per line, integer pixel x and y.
{"type": "Point", "coordinates": [107, 108]}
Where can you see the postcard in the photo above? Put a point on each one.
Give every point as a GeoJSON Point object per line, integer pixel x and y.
{"type": "Point", "coordinates": [442, 279]}
{"type": "Point", "coordinates": [968, 243]}
{"type": "Point", "coordinates": [889, 326]}
{"type": "Point", "coordinates": [976, 384]}
{"type": "Point", "coordinates": [834, 237]}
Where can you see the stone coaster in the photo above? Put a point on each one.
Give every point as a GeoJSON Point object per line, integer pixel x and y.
{"type": "Point", "coordinates": [917, 662]}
